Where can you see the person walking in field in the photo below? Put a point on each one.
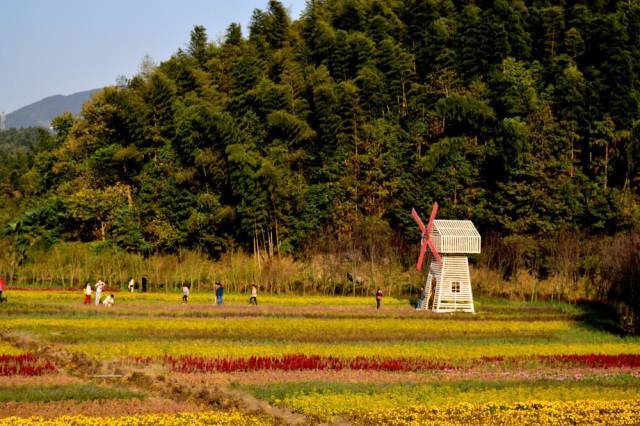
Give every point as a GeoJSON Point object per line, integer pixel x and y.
{"type": "Point", "coordinates": [423, 296]}
{"type": "Point", "coordinates": [132, 284]}
{"type": "Point", "coordinates": [99, 287]}
{"type": "Point", "coordinates": [109, 301]}
{"type": "Point", "coordinates": [87, 294]}
{"type": "Point", "coordinates": [219, 293]}
{"type": "Point", "coordinates": [185, 293]}
{"type": "Point", "coordinates": [1, 290]}
{"type": "Point", "coordinates": [253, 300]}
{"type": "Point", "coordinates": [378, 298]}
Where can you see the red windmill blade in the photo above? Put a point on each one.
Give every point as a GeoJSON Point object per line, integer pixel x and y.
{"type": "Point", "coordinates": [425, 236]}
{"type": "Point", "coordinates": [423, 241]}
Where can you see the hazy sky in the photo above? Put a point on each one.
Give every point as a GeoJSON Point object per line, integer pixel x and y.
{"type": "Point", "coordinates": [50, 47]}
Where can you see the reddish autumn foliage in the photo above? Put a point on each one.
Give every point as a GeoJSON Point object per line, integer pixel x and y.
{"type": "Point", "coordinates": [597, 360]}
{"type": "Point", "coordinates": [294, 362]}
{"type": "Point", "coordinates": [25, 365]}
{"type": "Point", "coordinates": [299, 362]}
{"type": "Point", "coordinates": [491, 359]}
{"type": "Point", "coordinates": [140, 361]}
{"type": "Point", "coordinates": [589, 360]}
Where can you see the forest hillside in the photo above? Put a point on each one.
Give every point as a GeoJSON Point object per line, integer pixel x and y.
{"type": "Point", "coordinates": [317, 135]}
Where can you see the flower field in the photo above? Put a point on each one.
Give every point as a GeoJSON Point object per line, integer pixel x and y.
{"type": "Point", "coordinates": [296, 362]}
{"type": "Point", "coordinates": [323, 401]}
{"type": "Point", "coordinates": [205, 296]}
{"type": "Point", "coordinates": [308, 360]}
{"type": "Point", "coordinates": [458, 350]}
{"type": "Point", "coordinates": [25, 365]}
{"type": "Point", "coordinates": [282, 329]}
{"type": "Point", "coordinates": [598, 361]}
{"type": "Point", "coordinates": [7, 349]}
{"type": "Point", "coordinates": [529, 412]}
{"type": "Point", "coordinates": [180, 419]}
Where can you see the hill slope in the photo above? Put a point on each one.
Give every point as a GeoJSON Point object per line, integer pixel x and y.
{"type": "Point", "coordinates": [42, 112]}
{"type": "Point", "coordinates": [516, 115]}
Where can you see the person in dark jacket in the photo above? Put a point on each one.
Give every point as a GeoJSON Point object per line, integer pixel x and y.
{"type": "Point", "coordinates": [378, 298]}
{"type": "Point", "coordinates": [219, 293]}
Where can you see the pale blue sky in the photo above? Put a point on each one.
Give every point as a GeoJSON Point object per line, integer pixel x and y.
{"type": "Point", "coordinates": [50, 47]}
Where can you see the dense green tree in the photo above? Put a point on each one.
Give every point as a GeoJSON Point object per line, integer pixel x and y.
{"type": "Point", "coordinates": [521, 115]}
{"type": "Point", "coordinates": [198, 44]}
{"type": "Point", "coordinates": [233, 36]}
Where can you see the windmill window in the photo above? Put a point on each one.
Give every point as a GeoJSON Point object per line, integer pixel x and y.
{"type": "Point", "coordinates": [455, 287]}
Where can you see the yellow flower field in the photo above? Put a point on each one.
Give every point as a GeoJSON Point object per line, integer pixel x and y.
{"type": "Point", "coordinates": [591, 412]}
{"type": "Point", "coordinates": [625, 412]}
{"type": "Point", "coordinates": [325, 405]}
{"type": "Point", "coordinates": [433, 350]}
{"type": "Point", "coordinates": [276, 327]}
{"type": "Point", "coordinates": [7, 349]}
{"type": "Point", "coordinates": [471, 392]}
{"type": "Point", "coordinates": [222, 418]}
{"type": "Point", "coordinates": [203, 296]}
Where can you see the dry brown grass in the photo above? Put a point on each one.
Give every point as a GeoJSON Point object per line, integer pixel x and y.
{"type": "Point", "coordinates": [48, 380]}
{"type": "Point", "coordinates": [523, 286]}
{"type": "Point", "coordinates": [511, 267]}
{"type": "Point", "coordinates": [71, 265]}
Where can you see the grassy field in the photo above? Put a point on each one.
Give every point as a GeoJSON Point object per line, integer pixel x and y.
{"type": "Point", "coordinates": [302, 360]}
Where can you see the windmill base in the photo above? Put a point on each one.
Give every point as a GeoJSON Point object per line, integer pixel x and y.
{"type": "Point", "coordinates": [459, 307]}
{"type": "Point", "coordinates": [454, 306]}
{"type": "Point", "coordinates": [449, 284]}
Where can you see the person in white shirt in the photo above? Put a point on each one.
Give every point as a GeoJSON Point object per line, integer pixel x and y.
{"type": "Point", "coordinates": [87, 294]}
{"type": "Point", "coordinates": [109, 301]}
{"type": "Point", "coordinates": [132, 284]}
{"type": "Point", "coordinates": [185, 293]}
{"type": "Point", "coordinates": [253, 300]}
{"type": "Point", "coordinates": [99, 287]}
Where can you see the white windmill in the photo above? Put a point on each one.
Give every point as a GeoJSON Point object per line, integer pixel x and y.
{"type": "Point", "coordinates": [448, 280]}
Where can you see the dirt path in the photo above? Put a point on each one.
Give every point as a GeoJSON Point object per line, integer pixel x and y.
{"type": "Point", "coordinates": [152, 381]}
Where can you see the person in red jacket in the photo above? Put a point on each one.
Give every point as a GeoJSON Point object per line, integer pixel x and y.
{"type": "Point", "coordinates": [87, 294]}
{"type": "Point", "coordinates": [378, 298]}
{"type": "Point", "coordinates": [1, 289]}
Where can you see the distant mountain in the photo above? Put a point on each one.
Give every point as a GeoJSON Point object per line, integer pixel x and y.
{"type": "Point", "coordinates": [42, 112]}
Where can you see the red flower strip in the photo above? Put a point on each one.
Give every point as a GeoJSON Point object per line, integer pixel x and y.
{"type": "Point", "coordinates": [298, 362]}
{"type": "Point", "coordinates": [25, 365]}
{"type": "Point", "coordinates": [295, 362]}
{"type": "Point", "coordinates": [589, 360]}
{"type": "Point", "coordinates": [596, 360]}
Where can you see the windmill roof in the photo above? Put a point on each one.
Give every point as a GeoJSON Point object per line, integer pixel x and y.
{"type": "Point", "coordinates": [455, 228]}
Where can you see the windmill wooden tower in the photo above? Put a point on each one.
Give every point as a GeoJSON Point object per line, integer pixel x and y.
{"type": "Point", "coordinates": [448, 281]}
